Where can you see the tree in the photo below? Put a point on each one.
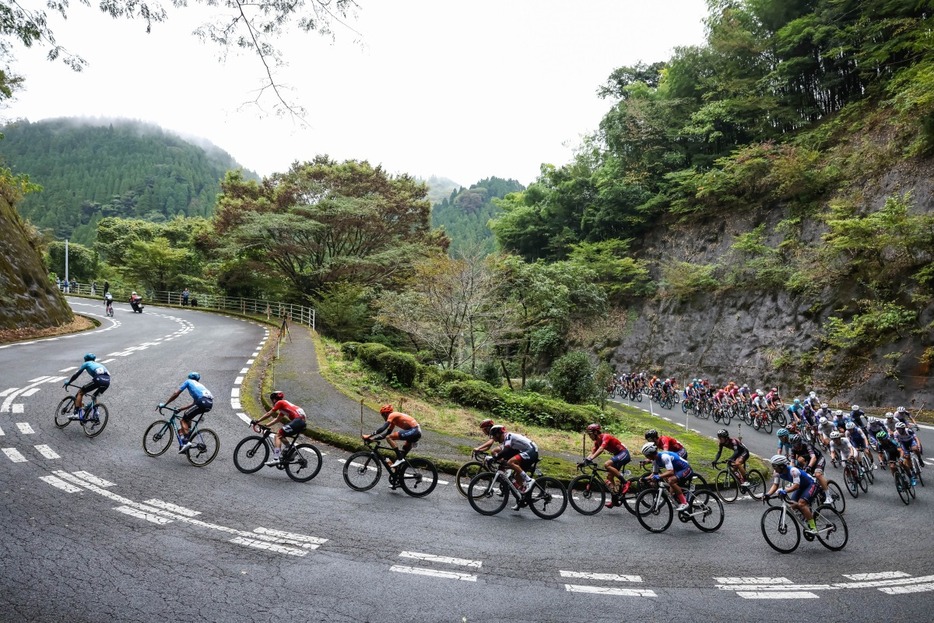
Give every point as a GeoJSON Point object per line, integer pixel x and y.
{"type": "Point", "coordinates": [254, 26]}
{"type": "Point", "coordinates": [82, 261]}
{"type": "Point", "coordinates": [155, 265]}
{"type": "Point", "coordinates": [572, 378]}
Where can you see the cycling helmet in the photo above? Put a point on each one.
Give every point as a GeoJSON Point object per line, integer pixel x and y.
{"type": "Point", "coordinates": [486, 424]}
{"type": "Point", "coordinates": [881, 434]}
{"type": "Point", "coordinates": [850, 425]}
{"type": "Point", "coordinates": [901, 410]}
{"type": "Point", "coordinates": [774, 389]}
{"type": "Point", "coordinates": [497, 430]}
{"type": "Point", "coordinates": [835, 434]}
{"type": "Point", "coordinates": [797, 401]}
{"type": "Point", "coordinates": [385, 410]}
{"type": "Point", "coordinates": [779, 461]}
{"type": "Point", "coordinates": [651, 434]}
{"type": "Point", "coordinates": [795, 440]}
{"type": "Point", "coordinates": [822, 420]}
{"type": "Point", "coordinates": [889, 415]}
{"type": "Point", "coordinates": [812, 395]}
{"type": "Point", "coordinates": [648, 449]}
{"type": "Point", "coordinates": [194, 376]}
{"type": "Point", "coordinates": [782, 432]}
{"type": "Point", "coordinates": [133, 293]}
{"type": "Point", "coordinates": [823, 405]}
{"type": "Point", "coordinates": [854, 408]}
{"type": "Point", "coordinates": [90, 357]}
{"type": "Point", "coordinates": [838, 413]}
{"type": "Point", "coordinates": [760, 392]}
{"type": "Point", "coordinates": [276, 396]}
{"type": "Point", "coordinates": [723, 433]}
{"type": "Point", "coordinates": [900, 425]}
{"type": "Point", "coordinates": [594, 428]}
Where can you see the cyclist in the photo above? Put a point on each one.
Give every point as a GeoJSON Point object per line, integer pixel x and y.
{"type": "Point", "coordinates": [795, 411]}
{"type": "Point", "coordinates": [485, 426]}
{"type": "Point", "coordinates": [740, 454]}
{"type": "Point", "coordinates": [292, 418]}
{"type": "Point", "coordinates": [824, 427]}
{"type": "Point", "coordinates": [906, 438]}
{"type": "Point", "coordinates": [873, 428]}
{"type": "Point", "coordinates": [619, 458]}
{"type": "Point", "coordinates": [675, 468]}
{"type": "Point", "coordinates": [668, 444]}
{"type": "Point", "coordinates": [519, 453]}
{"type": "Point", "coordinates": [784, 446]}
{"type": "Point", "coordinates": [773, 399]}
{"type": "Point", "coordinates": [802, 488]}
{"type": "Point", "coordinates": [100, 381]}
{"type": "Point", "coordinates": [812, 459]}
{"type": "Point", "coordinates": [857, 415]}
{"type": "Point", "coordinates": [202, 401]}
{"type": "Point", "coordinates": [857, 439]}
{"type": "Point", "coordinates": [840, 447]}
{"type": "Point", "coordinates": [902, 415]}
{"type": "Point", "coordinates": [409, 432]}
{"type": "Point", "coordinates": [890, 450]}
{"type": "Point", "coordinates": [108, 304]}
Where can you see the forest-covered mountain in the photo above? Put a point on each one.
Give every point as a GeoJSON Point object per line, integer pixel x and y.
{"type": "Point", "coordinates": [92, 168]}
{"type": "Point", "coordinates": [465, 212]}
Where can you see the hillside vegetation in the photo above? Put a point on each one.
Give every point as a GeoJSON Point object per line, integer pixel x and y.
{"type": "Point", "coordinates": [464, 214]}
{"type": "Point", "coordinates": [92, 169]}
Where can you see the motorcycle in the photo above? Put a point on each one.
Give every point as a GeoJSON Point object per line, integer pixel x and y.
{"type": "Point", "coordinates": [137, 304]}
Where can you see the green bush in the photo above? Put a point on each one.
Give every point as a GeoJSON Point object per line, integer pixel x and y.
{"type": "Point", "coordinates": [398, 367]}
{"type": "Point", "coordinates": [572, 378]}
{"type": "Point", "coordinates": [541, 411]}
{"type": "Point", "coordinates": [370, 351]}
{"type": "Point", "coordinates": [349, 349]}
{"type": "Point", "coordinates": [477, 394]}
{"type": "Point", "coordinates": [490, 373]}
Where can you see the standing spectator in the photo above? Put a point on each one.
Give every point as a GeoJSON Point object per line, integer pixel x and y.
{"type": "Point", "coordinates": [185, 295]}
{"type": "Point", "coordinates": [106, 287]}
{"type": "Point", "coordinates": [58, 283]}
{"type": "Point", "coordinates": [74, 285]}
{"type": "Point", "coordinates": [93, 288]}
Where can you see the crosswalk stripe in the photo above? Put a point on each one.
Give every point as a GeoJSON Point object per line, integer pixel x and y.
{"type": "Point", "coordinates": [609, 590]}
{"type": "Point", "coordinates": [776, 595]}
{"type": "Point", "coordinates": [448, 575]}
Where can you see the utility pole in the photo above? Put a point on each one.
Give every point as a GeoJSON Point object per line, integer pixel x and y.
{"type": "Point", "coordinates": [67, 286]}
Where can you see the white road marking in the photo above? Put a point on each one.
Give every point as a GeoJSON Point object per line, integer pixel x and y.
{"type": "Point", "coordinates": [249, 362]}
{"type": "Point", "coordinates": [753, 580]}
{"type": "Point", "coordinates": [901, 590]}
{"type": "Point", "coordinates": [609, 590]}
{"type": "Point", "coordinates": [772, 588]}
{"type": "Point", "coordinates": [100, 482]}
{"type": "Point", "coordinates": [608, 577]}
{"type": "Point", "coordinates": [777, 595]}
{"type": "Point", "coordinates": [1, 432]}
{"type": "Point", "coordinates": [61, 484]}
{"type": "Point", "coordinates": [8, 390]}
{"type": "Point", "coordinates": [39, 379]}
{"type": "Point", "coordinates": [25, 428]}
{"type": "Point", "coordinates": [448, 575]}
{"type": "Point", "coordinates": [142, 515]}
{"type": "Point", "coordinates": [29, 392]}
{"type": "Point", "coordinates": [181, 510]}
{"type": "Point", "coordinates": [238, 380]}
{"type": "Point", "coordinates": [47, 452]}
{"type": "Point", "coordinates": [14, 455]}
{"type": "Point", "coordinates": [235, 392]}
{"type": "Point", "coordinates": [463, 562]}
{"type": "Point", "coordinates": [16, 408]}
{"type": "Point", "coordinates": [244, 370]}
{"type": "Point", "coordinates": [882, 575]}
{"type": "Point", "coordinates": [272, 547]}
{"type": "Point", "coordinates": [309, 542]}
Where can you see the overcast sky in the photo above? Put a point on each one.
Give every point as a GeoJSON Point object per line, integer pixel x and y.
{"type": "Point", "coordinates": [464, 90]}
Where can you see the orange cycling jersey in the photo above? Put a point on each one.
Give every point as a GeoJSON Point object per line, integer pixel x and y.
{"type": "Point", "coordinates": [402, 420]}
{"type": "Point", "coordinates": [289, 410]}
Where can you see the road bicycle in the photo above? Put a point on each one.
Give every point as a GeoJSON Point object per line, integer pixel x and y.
{"type": "Point", "coordinates": [906, 490]}
{"type": "Point", "coordinates": [301, 461]}
{"type": "Point", "coordinates": [855, 477]}
{"type": "Point", "coordinates": [489, 493]}
{"type": "Point", "coordinates": [158, 438]}
{"type": "Point", "coordinates": [762, 420]}
{"type": "Point", "coordinates": [722, 414]}
{"type": "Point", "coordinates": [916, 467]}
{"type": "Point", "coordinates": [481, 462]}
{"type": "Point", "coordinates": [655, 507]}
{"type": "Point", "coordinates": [832, 497]}
{"type": "Point", "coordinates": [93, 417]}
{"type": "Point", "coordinates": [417, 476]}
{"type": "Point", "coordinates": [783, 525]}
{"type": "Point", "coordinates": [729, 484]}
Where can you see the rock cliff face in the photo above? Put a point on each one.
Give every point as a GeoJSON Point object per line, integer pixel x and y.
{"type": "Point", "coordinates": [27, 299]}
{"type": "Point", "coordinates": [763, 337]}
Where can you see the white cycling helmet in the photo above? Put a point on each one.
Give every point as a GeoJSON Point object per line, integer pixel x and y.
{"type": "Point", "coordinates": [822, 420]}
{"type": "Point", "coordinates": [889, 415]}
{"type": "Point", "coordinates": [850, 425]}
{"type": "Point", "coordinates": [649, 448]}
{"type": "Point", "coordinates": [854, 408]}
{"type": "Point", "coordinates": [835, 434]}
{"type": "Point", "coordinates": [778, 461]}
{"type": "Point", "coordinates": [838, 413]}
{"type": "Point", "coordinates": [901, 410]}
{"type": "Point", "coordinates": [823, 405]}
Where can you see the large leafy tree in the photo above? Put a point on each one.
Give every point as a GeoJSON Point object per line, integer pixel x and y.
{"type": "Point", "coordinates": [325, 222]}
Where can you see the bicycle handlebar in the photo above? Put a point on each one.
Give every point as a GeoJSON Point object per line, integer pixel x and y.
{"type": "Point", "coordinates": [162, 407]}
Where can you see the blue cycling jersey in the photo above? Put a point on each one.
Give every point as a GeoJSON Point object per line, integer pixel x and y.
{"type": "Point", "coordinates": [95, 370]}
{"type": "Point", "coordinates": [196, 390]}
{"type": "Point", "coordinates": [794, 476]}
{"type": "Point", "coordinates": [670, 460]}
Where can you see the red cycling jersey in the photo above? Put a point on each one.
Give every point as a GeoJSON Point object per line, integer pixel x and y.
{"type": "Point", "coordinates": [289, 410]}
{"type": "Point", "coordinates": [669, 443]}
{"type": "Point", "coordinates": [610, 443]}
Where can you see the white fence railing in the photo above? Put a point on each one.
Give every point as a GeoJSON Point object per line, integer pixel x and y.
{"type": "Point", "coordinates": [251, 307]}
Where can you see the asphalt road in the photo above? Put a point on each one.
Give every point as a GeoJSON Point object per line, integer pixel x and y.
{"type": "Point", "coordinates": [96, 530]}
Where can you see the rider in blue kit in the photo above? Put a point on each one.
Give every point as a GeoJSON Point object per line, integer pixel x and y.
{"type": "Point", "coordinates": [100, 381]}
{"type": "Point", "coordinates": [201, 402]}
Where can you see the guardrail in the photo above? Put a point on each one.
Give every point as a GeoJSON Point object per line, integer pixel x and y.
{"type": "Point", "coordinates": [253, 307]}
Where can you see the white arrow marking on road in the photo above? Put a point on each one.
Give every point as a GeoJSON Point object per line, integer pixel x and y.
{"type": "Point", "coordinates": [61, 484]}
{"type": "Point", "coordinates": [609, 590]}
{"type": "Point", "coordinates": [7, 391]}
{"type": "Point", "coordinates": [14, 455]}
{"type": "Point", "coordinates": [47, 452]}
{"type": "Point", "coordinates": [463, 562]}
{"type": "Point", "coordinates": [448, 575]}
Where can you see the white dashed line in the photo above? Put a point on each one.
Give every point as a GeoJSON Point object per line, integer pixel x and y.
{"type": "Point", "coordinates": [47, 452]}
{"type": "Point", "coordinates": [448, 575]}
{"type": "Point", "coordinates": [606, 577]}
{"type": "Point", "coordinates": [61, 484]}
{"type": "Point", "coordinates": [24, 427]}
{"type": "Point", "coordinates": [126, 510]}
{"type": "Point", "coordinates": [609, 590]}
{"type": "Point", "coordinates": [463, 562]}
{"type": "Point", "coordinates": [14, 455]}
{"type": "Point", "coordinates": [777, 595]}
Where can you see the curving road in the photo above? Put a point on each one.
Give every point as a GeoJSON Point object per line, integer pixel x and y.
{"type": "Point", "coordinates": [95, 530]}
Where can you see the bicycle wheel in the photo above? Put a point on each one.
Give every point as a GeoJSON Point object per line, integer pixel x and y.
{"type": "Point", "coordinates": [654, 511]}
{"type": "Point", "coordinates": [706, 511]}
{"type": "Point", "coordinates": [851, 480]}
{"type": "Point", "coordinates": [465, 474]}
{"type": "Point", "coordinates": [251, 454]}
{"type": "Point", "coordinates": [488, 493]}
{"type": "Point", "coordinates": [834, 497]}
{"type": "Point", "coordinates": [726, 417]}
{"type": "Point", "coordinates": [64, 410]}
{"type": "Point", "coordinates": [362, 470]}
{"type": "Point", "coordinates": [767, 424]}
{"type": "Point", "coordinates": [547, 498]}
{"type": "Point", "coordinates": [304, 463]}
{"type": "Point", "coordinates": [780, 530]}
{"type": "Point", "coordinates": [727, 487]}
{"type": "Point", "coordinates": [418, 477]}
{"type": "Point", "coordinates": [757, 486]}
{"type": "Point", "coordinates": [863, 477]}
{"type": "Point", "coordinates": [916, 467]}
{"type": "Point", "coordinates": [157, 438]}
{"type": "Point", "coordinates": [94, 425]}
{"type": "Point", "coordinates": [204, 447]}
{"type": "Point", "coordinates": [868, 466]}
{"type": "Point", "coordinates": [685, 406]}
{"type": "Point", "coordinates": [587, 494]}
{"type": "Point", "coordinates": [902, 487]}
{"type": "Point", "coordinates": [831, 528]}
